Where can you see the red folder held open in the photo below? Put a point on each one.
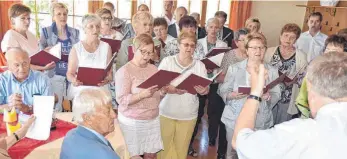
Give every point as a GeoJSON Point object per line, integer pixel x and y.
{"type": "Point", "coordinates": [194, 80]}
{"type": "Point", "coordinates": [247, 90]}
{"type": "Point", "coordinates": [217, 50]}
{"type": "Point", "coordinates": [160, 78]}
{"type": "Point", "coordinates": [94, 76]}
{"type": "Point", "coordinates": [115, 44]}
{"type": "Point", "coordinates": [213, 62]}
{"type": "Point", "coordinates": [43, 58]}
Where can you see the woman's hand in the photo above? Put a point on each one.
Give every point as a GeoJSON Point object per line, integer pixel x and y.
{"type": "Point", "coordinates": [237, 95]}
{"type": "Point", "coordinates": [76, 82]}
{"type": "Point", "coordinates": [49, 66]}
{"type": "Point", "coordinates": [107, 80]}
{"type": "Point", "coordinates": [201, 90]}
{"type": "Point", "coordinates": [24, 129]}
{"type": "Point", "coordinates": [266, 96]}
{"type": "Point", "coordinates": [146, 93]}
{"type": "Point", "coordinates": [173, 90]}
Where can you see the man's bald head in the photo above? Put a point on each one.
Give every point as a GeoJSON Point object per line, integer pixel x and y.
{"type": "Point", "coordinates": [18, 63]}
{"type": "Point", "coordinates": [180, 12]}
{"type": "Point", "coordinates": [14, 53]}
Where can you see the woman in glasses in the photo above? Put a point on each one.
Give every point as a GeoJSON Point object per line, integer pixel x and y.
{"type": "Point", "coordinates": [179, 112]}
{"type": "Point", "coordinates": [239, 75]}
{"type": "Point", "coordinates": [19, 36]}
{"type": "Point", "coordinates": [106, 30]}
{"type": "Point", "coordinates": [287, 59]}
{"type": "Point", "coordinates": [138, 111]}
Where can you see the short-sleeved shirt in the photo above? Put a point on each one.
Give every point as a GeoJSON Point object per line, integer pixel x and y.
{"type": "Point", "coordinates": [36, 84]}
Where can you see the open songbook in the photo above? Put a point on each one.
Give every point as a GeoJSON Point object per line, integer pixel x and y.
{"type": "Point", "coordinates": [282, 78]}
{"type": "Point", "coordinates": [213, 62]}
{"type": "Point", "coordinates": [114, 44]}
{"type": "Point", "coordinates": [93, 76]}
{"type": "Point", "coordinates": [184, 81]}
{"type": "Point", "coordinates": [217, 50]}
{"type": "Point", "coordinates": [42, 58]}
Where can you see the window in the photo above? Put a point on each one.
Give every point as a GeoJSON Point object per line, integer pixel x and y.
{"type": "Point", "coordinates": [124, 9]}
{"type": "Point", "coordinates": [224, 5]}
{"type": "Point", "coordinates": [41, 13]}
{"type": "Point", "coordinates": [195, 6]}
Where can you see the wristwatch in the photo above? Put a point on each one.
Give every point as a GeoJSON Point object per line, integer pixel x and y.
{"type": "Point", "coordinates": [254, 97]}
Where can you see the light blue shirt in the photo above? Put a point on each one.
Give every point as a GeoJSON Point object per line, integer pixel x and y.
{"type": "Point", "coordinates": [102, 138]}
{"type": "Point", "coordinates": [36, 84]}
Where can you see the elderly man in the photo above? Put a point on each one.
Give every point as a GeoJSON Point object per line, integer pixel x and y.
{"type": "Point", "coordinates": [168, 5]}
{"type": "Point", "coordinates": [20, 83]}
{"type": "Point", "coordinates": [225, 34]}
{"type": "Point", "coordinates": [92, 109]}
{"type": "Point", "coordinates": [322, 137]}
{"type": "Point", "coordinates": [312, 41]}
{"type": "Point", "coordinates": [174, 29]}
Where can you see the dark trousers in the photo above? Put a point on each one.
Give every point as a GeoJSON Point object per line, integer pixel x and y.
{"type": "Point", "coordinates": [201, 112]}
{"type": "Point", "coordinates": [214, 111]}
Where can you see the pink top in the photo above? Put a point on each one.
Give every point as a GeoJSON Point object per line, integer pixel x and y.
{"type": "Point", "coordinates": [127, 79]}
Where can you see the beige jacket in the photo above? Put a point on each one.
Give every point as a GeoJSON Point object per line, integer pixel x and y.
{"type": "Point", "coordinates": [301, 61]}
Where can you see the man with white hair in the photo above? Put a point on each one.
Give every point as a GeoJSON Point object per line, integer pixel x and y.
{"type": "Point", "coordinates": [174, 29]}
{"type": "Point", "coordinates": [92, 109]}
{"type": "Point", "coordinates": [20, 83]}
{"type": "Point", "coordinates": [322, 137]}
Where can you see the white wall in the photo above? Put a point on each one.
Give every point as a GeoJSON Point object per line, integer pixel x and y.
{"type": "Point", "coordinates": [273, 15]}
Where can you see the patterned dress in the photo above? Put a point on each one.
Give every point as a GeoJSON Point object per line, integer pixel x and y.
{"type": "Point", "coordinates": [284, 65]}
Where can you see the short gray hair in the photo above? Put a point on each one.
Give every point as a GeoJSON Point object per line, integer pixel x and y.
{"type": "Point", "coordinates": [58, 5]}
{"type": "Point", "coordinates": [242, 31]}
{"type": "Point", "coordinates": [87, 100]}
{"type": "Point", "coordinates": [328, 75]}
{"type": "Point", "coordinates": [14, 50]}
{"type": "Point", "coordinates": [195, 14]}
{"type": "Point", "coordinates": [212, 20]}
{"type": "Point", "coordinates": [88, 18]}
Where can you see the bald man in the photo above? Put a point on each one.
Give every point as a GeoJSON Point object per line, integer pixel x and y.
{"type": "Point", "coordinates": [20, 83]}
{"type": "Point", "coordinates": [174, 29]}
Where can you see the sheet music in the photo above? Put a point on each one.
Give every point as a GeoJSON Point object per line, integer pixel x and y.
{"type": "Point", "coordinates": [217, 59]}
{"type": "Point", "coordinates": [56, 50]}
{"type": "Point", "coordinates": [43, 111]}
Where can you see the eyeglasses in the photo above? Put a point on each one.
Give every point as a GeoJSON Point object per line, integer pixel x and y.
{"type": "Point", "coordinates": [256, 48]}
{"type": "Point", "coordinates": [106, 18]}
{"type": "Point", "coordinates": [186, 45]}
{"type": "Point", "coordinates": [148, 53]}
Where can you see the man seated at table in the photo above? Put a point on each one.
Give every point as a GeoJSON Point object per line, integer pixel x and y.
{"type": "Point", "coordinates": [20, 83]}
{"type": "Point", "coordinates": [92, 110]}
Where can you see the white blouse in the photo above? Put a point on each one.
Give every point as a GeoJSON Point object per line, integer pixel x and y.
{"type": "Point", "coordinates": [185, 106]}
{"type": "Point", "coordinates": [14, 39]}
{"type": "Point", "coordinates": [97, 59]}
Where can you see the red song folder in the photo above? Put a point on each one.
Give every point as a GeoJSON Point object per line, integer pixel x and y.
{"type": "Point", "coordinates": [193, 80]}
{"type": "Point", "coordinates": [213, 62]}
{"type": "Point", "coordinates": [247, 90]}
{"type": "Point", "coordinates": [43, 58]}
{"type": "Point", "coordinates": [114, 44]}
{"type": "Point", "coordinates": [217, 50]}
{"type": "Point", "coordinates": [94, 76]}
{"type": "Point", "coordinates": [160, 78]}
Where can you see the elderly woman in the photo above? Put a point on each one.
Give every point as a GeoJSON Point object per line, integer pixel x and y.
{"type": "Point", "coordinates": [160, 30]}
{"type": "Point", "coordinates": [186, 24]}
{"type": "Point", "coordinates": [236, 55]}
{"type": "Point", "coordinates": [239, 75]}
{"type": "Point", "coordinates": [253, 24]}
{"type": "Point", "coordinates": [19, 36]}
{"type": "Point", "coordinates": [334, 43]}
{"type": "Point", "coordinates": [106, 30]}
{"type": "Point", "coordinates": [215, 103]}
{"type": "Point", "coordinates": [142, 22]}
{"type": "Point", "coordinates": [288, 60]}
{"type": "Point", "coordinates": [138, 108]}
{"type": "Point", "coordinates": [90, 52]}
{"type": "Point", "coordinates": [59, 32]}
{"type": "Point", "coordinates": [179, 112]}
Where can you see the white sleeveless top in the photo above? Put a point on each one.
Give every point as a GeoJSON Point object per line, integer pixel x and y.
{"type": "Point", "coordinates": [97, 59]}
